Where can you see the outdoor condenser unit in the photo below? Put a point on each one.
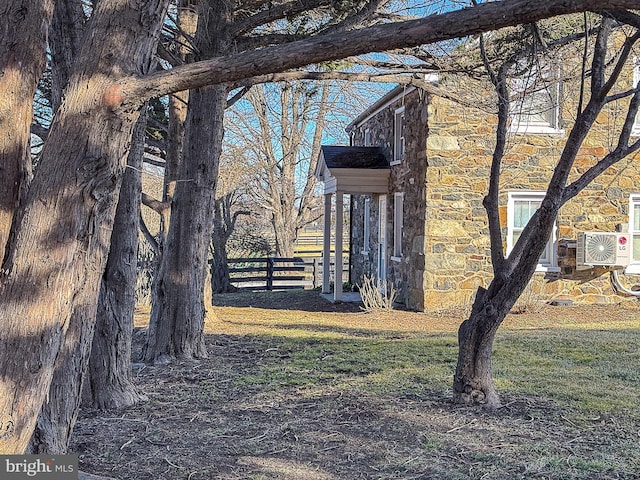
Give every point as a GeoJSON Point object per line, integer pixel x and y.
{"type": "Point", "coordinates": [610, 249]}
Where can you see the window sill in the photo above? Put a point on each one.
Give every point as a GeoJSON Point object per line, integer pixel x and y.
{"type": "Point", "coordinates": [632, 269]}
{"type": "Point", "coordinates": [536, 129]}
{"type": "Point", "coordinates": [364, 252]}
{"type": "Point", "coordinates": [396, 259]}
{"type": "Point", "coordinates": [395, 162]}
{"type": "Point", "coordinates": [548, 269]}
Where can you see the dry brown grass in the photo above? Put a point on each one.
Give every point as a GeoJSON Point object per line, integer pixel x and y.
{"type": "Point", "coordinates": [297, 388]}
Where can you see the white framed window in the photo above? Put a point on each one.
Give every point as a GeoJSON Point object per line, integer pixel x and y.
{"type": "Point", "coordinates": [634, 231]}
{"type": "Point", "coordinates": [367, 138]}
{"type": "Point", "coordinates": [398, 220]}
{"type": "Point", "coordinates": [535, 104]}
{"type": "Point", "coordinates": [382, 239]}
{"type": "Point", "coordinates": [520, 208]}
{"type": "Point", "coordinates": [398, 136]}
{"type": "Point", "coordinates": [636, 80]}
{"type": "Point", "coordinates": [366, 230]}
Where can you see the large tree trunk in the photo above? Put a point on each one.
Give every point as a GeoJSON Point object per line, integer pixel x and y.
{"type": "Point", "coordinates": [23, 33]}
{"type": "Point", "coordinates": [473, 379]}
{"type": "Point", "coordinates": [56, 262]}
{"type": "Point", "coordinates": [108, 383]}
{"type": "Point", "coordinates": [59, 412]}
{"type": "Point", "coordinates": [178, 310]}
{"type": "Point", "coordinates": [285, 233]}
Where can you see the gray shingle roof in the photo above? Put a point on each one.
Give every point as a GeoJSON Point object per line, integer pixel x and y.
{"type": "Point", "coordinates": [340, 156]}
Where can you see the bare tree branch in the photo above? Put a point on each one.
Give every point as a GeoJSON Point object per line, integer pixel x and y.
{"type": "Point", "coordinates": [435, 28]}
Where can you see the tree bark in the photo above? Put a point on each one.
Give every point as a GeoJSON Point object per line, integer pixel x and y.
{"type": "Point", "coordinates": [178, 310]}
{"type": "Point", "coordinates": [220, 278]}
{"type": "Point", "coordinates": [59, 413]}
{"type": "Point", "coordinates": [23, 34]}
{"type": "Point", "coordinates": [108, 383]}
{"type": "Point", "coordinates": [55, 264]}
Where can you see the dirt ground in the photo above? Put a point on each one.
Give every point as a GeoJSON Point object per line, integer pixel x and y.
{"type": "Point", "coordinates": [204, 420]}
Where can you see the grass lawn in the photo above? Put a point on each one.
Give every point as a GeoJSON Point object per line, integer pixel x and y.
{"type": "Point", "coordinates": [297, 388]}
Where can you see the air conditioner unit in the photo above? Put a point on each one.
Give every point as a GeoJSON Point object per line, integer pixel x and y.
{"type": "Point", "coordinates": [610, 249]}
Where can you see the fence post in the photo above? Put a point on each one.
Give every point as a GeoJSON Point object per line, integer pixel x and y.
{"type": "Point", "coordinates": [315, 272]}
{"type": "Point", "coordinates": [270, 265]}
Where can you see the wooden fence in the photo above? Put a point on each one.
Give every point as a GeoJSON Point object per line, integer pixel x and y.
{"type": "Point", "coordinates": [274, 273]}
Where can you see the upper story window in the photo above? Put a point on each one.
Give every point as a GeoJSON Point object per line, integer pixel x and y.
{"type": "Point", "coordinates": [535, 104]}
{"type": "Point", "coordinates": [398, 136]}
{"type": "Point", "coordinates": [520, 208]}
{"type": "Point", "coordinates": [367, 138]}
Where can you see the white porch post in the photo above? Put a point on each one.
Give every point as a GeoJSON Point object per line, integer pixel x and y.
{"type": "Point", "coordinates": [337, 283]}
{"type": "Point", "coordinates": [326, 245]}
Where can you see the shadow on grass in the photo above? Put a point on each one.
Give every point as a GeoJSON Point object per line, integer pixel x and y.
{"type": "Point", "coordinates": [268, 327]}
{"type": "Point", "coordinates": [270, 406]}
{"type": "Point", "coordinates": [303, 300]}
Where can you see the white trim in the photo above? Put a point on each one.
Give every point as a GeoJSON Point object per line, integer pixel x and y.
{"type": "Point", "coordinates": [377, 109]}
{"type": "Point", "coordinates": [366, 216]}
{"type": "Point", "coordinates": [518, 124]}
{"type": "Point", "coordinates": [634, 200]}
{"type": "Point", "coordinates": [398, 136]}
{"type": "Point", "coordinates": [635, 130]}
{"type": "Point", "coordinates": [398, 225]}
{"type": "Point", "coordinates": [382, 238]}
{"type": "Point", "coordinates": [552, 264]}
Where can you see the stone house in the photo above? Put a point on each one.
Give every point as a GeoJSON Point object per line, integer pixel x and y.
{"type": "Point", "coordinates": [428, 234]}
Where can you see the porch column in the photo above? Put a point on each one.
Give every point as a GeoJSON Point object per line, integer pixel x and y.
{"type": "Point", "coordinates": [337, 282]}
{"type": "Point", "coordinates": [326, 245]}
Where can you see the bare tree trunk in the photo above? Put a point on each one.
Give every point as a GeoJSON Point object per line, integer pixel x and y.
{"type": "Point", "coordinates": [23, 33]}
{"type": "Point", "coordinates": [54, 266]}
{"type": "Point", "coordinates": [223, 225]}
{"type": "Point", "coordinates": [178, 310]}
{"type": "Point", "coordinates": [59, 412]}
{"type": "Point", "coordinates": [220, 277]}
{"type": "Point", "coordinates": [108, 383]}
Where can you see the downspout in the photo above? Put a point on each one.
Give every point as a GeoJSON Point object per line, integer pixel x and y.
{"type": "Point", "coordinates": [617, 286]}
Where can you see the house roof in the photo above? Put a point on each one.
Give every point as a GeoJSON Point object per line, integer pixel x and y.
{"type": "Point", "coordinates": [391, 96]}
{"type": "Point", "coordinates": [353, 169]}
{"type": "Point", "coordinates": [340, 156]}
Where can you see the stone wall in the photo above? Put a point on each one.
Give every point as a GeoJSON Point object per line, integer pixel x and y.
{"type": "Point", "coordinates": [444, 176]}
{"type": "Point", "coordinates": [408, 177]}
{"type": "Point", "coordinates": [459, 152]}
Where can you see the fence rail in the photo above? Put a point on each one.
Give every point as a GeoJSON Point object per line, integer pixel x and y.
{"type": "Point", "coordinates": [275, 273]}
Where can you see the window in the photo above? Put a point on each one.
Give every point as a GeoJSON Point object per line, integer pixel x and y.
{"type": "Point", "coordinates": [535, 107]}
{"type": "Point", "coordinates": [382, 239]}
{"type": "Point", "coordinates": [398, 213]}
{"type": "Point", "coordinates": [520, 208]}
{"type": "Point", "coordinates": [366, 222]}
{"type": "Point", "coordinates": [367, 138]}
{"type": "Point", "coordinates": [634, 231]}
{"type": "Point", "coordinates": [398, 136]}
{"type": "Point", "coordinates": [636, 80]}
